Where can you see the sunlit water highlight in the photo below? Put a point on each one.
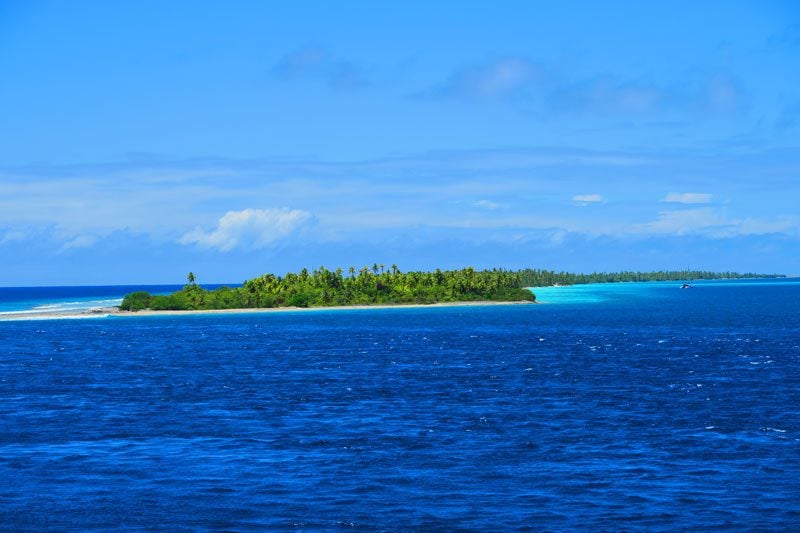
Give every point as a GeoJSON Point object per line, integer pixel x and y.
{"type": "Point", "coordinates": [642, 407]}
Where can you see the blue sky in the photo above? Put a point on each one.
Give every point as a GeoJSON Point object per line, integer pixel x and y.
{"type": "Point", "coordinates": [141, 140]}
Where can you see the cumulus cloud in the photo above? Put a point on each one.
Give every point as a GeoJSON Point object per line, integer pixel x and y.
{"type": "Point", "coordinates": [249, 229]}
{"type": "Point", "coordinates": [586, 199]}
{"type": "Point", "coordinates": [688, 198]}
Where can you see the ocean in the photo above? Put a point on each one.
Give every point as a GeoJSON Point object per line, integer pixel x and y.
{"type": "Point", "coordinates": [64, 300]}
{"type": "Point", "coordinates": [635, 406]}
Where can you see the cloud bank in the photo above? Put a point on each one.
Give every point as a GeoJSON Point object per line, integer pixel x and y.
{"type": "Point", "coordinates": [716, 224]}
{"type": "Point", "coordinates": [249, 229]}
{"type": "Point", "coordinates": [402, 207]}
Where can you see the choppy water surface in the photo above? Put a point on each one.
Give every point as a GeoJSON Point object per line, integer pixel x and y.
{"type": "Point", "coordinates": [656, 409]}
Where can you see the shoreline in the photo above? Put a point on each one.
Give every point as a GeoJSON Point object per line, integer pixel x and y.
{"type": "Point", "coordinates": [108, 312]}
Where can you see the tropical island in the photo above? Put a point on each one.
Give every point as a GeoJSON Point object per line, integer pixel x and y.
{"type": "Point", "coordinates": [380, 286]}
{"type": "Point", "coordinates": [326, 288]}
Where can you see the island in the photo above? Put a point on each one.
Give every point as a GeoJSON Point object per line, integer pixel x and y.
{"type": "Point", "coordinates": [379, 286]}
{"type": "Point", "coordinates": [325, 288]}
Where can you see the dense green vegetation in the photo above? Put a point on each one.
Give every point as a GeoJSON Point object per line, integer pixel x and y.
{"type": "Point", "coordinates": [546, 278]}
{"type": "Point", "coordinates": [377, 285]}
{"type": "Point", "coordinates": [323, 287]}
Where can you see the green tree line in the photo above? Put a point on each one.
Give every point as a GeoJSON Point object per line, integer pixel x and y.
{"type": "Point", "coordinates": [546, 278]}
{"type": "Point", "coordinates": [324, 288]}
{"type": "Point", "coordinates": [379, 285]}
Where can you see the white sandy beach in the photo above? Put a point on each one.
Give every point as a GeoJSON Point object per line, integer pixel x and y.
{"type": "Point", "coordinates": [115, 312]}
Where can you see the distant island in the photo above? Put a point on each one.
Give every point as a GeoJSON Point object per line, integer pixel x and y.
{"type": "Point", "coordinates": [548, 278]}
{"type": "Point", "coordinates": [381, 286]}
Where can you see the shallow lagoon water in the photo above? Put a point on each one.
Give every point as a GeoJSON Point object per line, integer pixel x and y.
{"type": "Point", "coordinates": [627, 294]}
{"type": "Point", "coordinates": [643, 407]}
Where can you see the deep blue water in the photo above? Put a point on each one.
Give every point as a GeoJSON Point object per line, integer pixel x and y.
{"type": "Point", "coordinates": [624, 407]}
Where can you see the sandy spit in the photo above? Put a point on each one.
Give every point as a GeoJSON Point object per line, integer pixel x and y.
{"type": "Point", "coordinates": [115, 312]}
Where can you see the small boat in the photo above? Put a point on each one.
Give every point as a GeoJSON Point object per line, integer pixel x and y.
{"type": "Point", "coordinates": [686, 284]}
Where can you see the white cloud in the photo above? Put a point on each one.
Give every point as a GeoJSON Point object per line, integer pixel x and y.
{"type": "Point", "coordinates": [488, 204]}
{"type": "Point", "coordinates": [686, 221]}
{"type": "Point", "coordinates": [51, 206]}
{"type": "Point", "coordinates": [688, 198]}
{"type": "Point", "coordinates": [586, 199]}
{"type": "Point", "coordinates": [81, 241]}
{"type": "Point", "coordinates": [753, 226]}
{"type": "Point", "coordinates": [249, 228]}
{"type": "Point", "coordinates": [12, 236]}
{"type": "Point", "coordinates": [713, 223]}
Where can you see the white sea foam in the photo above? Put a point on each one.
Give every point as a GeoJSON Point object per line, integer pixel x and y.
{"type": "Point", "coordinates": [21, 312]}
{"type": "Point", "coordinates": [36, 308]}
{"type": "Point", "coordinates": [59, 310]}
{"type": "Point", "coordinates": [40, 316]}
{"type": "Point", "coordinates": [78, 304]}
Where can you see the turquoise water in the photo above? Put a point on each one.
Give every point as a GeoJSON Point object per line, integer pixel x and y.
{"type": "Point", "coordinates": [635, 407]}
{"type": "Point", "coordinates": [651, 291]}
